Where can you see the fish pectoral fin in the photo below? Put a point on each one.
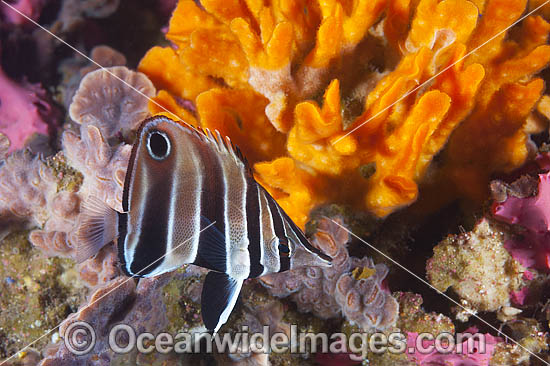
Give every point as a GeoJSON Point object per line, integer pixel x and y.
{"type": "Point", "coordinates": [212, 253]}
{"type": "Point", "coordinates": [219, 296]}
{"type": "Point", "coordinates": [96, 227]}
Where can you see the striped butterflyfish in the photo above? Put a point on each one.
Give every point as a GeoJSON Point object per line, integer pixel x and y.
{"type": "Point", "coordinates": [191, 198]}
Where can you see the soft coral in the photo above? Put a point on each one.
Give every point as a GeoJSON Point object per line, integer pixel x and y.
{"type": "Point", "coordinates": [460, 356]}
{"type": "Point", "coordinates": [532, 250]}
{"type": "Point", "coordinates": [24, 111]}
{"type": "Point", "coordinates": [30, 9]}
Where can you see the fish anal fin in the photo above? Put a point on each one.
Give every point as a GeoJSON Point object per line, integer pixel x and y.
{"type": "Point", "coordinates": [219, 296]}
{"type": "Point", "coordinates": [212, 253]}
{"type": "Point", "coordinates": [96, 227]}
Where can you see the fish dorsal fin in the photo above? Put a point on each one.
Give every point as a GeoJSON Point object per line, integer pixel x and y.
{"type": "Point", "coordinates": [212, 253]}
{"type": "Point", "coordinates": [224, 146]}
{"type": "Point", "coordinates": [219, 296]}
{"type": "Point", "coordinates": [96, 227]}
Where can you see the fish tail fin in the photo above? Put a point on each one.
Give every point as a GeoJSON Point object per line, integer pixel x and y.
{"type": "Point", "coordinates": [97, 226]}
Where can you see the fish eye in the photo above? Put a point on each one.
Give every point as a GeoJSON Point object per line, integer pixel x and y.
{"type": "Point", "coordinates": [158, 145]}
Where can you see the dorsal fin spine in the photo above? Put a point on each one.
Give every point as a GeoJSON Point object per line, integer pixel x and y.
{"type": "Point", "coordinates": [224, 145]}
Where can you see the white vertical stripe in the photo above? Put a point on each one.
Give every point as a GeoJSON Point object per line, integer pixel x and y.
{"type": "Point", "coordinates": [260, 227]}
{"type": "Point", "coordinates": [270, 259]}
{"type": "Point", "coordinates": [199, 174]}
{"type": "Point", "coordinates": [229, 308]}
{"type": "Point", "coordinates": [236, 232]}
{"type": "Point", "coordinates": [226, 218]}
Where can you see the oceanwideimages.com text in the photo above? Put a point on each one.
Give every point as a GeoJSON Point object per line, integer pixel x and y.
{"type": "Point", "coordinates": [80, 338]}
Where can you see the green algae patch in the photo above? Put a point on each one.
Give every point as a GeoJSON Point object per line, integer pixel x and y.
{"type": "Point", "coordinates": [33, 297]}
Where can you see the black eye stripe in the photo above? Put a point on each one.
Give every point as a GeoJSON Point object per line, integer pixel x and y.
{"type": "Point", "coordinates": [158, 145]}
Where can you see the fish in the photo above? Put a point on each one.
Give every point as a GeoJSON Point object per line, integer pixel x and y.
{"type": "Point", "coordinates": [190, 197]}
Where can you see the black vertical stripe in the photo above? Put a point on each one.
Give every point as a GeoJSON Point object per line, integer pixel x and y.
{"type": "Point", "coordinates": [278, 224]}
{"type": "Point", "coordinates": [253, 226]}
{"type": "Point", "coordinates": [212, 196]}
{"type": "Point", "coordinates": [122, 231]}
{"type": "Point", "coordinates": [302, 238]}
{"type": "Point", "coordinates": [153, 230]}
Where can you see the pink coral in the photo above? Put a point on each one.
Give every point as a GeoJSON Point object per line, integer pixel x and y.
{"type": "Point", "coordinates": [532, 250]}
{"type": "Point", "coordinates": [24, 112]}
{"type": "Point", "coordinates": [329, 292]}
{"type": "Point", "coordinates": [465, 356]}
{"type": "Point", "coordinates": [30, 188]}
{"type": "Point", "coordinates": [31, 8]}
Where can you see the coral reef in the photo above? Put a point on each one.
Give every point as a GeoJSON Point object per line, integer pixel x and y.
{"type": "Point", "coordinates": [340, 84]}
{"type": "Point", "coordinates": [134, 303]}
{"type": "Point", "coordinates": [362, 105]}
{"type": "Point", "coordinates": [25, 112]}
{"type": "Point", "coordinates": [102, 268]}
{"type": "Point", "coordinates": [413, 319]}
{"type": "Point", "coordinates": [113, 111]}
{"type": "Point", "coordinates": [460, 355]}
{"type": "Point", "coordinates": [74, 69]}
{"type": "Point", "coordinates": [31, 8]}
{"type": "Point", "coordinates": [47, 194]}
{"type": "Point", "coordinates": [477, 267]}
{"type": "Point", "coordinates": [529, 334]}
{"type": "Point", "coordinates": [530, 212]}
{"type": "Point", "coordinates": [352, 287]}
{"type": "Point", "coordinates": [30, 198]}
{"type": "Point", "coordinates": [42, 292]}
{"type": "Point", "coordinates": [114, 100]}
{"type": "Point", "coordinates": [74, 12]}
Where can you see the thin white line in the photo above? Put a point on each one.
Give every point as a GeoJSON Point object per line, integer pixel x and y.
{"type": "Point", "coordinates": [94, 62]}
{"type": "Point", "coordinates": [128, 279]}
{"type": "Point", "coordinates": [439, 292]}
{"type": "Point", "coordinates": [439, 73]}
